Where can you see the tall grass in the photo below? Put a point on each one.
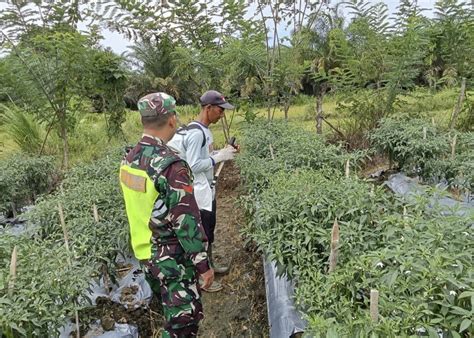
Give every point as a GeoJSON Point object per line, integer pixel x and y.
{"type": "Point", "coordinates": [22, 128]}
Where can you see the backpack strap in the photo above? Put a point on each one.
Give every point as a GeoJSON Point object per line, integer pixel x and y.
{"type": "Point", "coordinates": [183, 129]}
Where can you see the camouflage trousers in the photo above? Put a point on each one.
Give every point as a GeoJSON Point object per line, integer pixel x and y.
{"type": "Point", "coordinates": [176, 280]}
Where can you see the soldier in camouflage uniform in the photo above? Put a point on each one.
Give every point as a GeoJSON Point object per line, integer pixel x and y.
{"type": "Point", "coordinates": [165, 226]}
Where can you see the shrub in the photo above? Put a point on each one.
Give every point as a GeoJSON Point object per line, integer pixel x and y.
{"type": "Point", "coordinates": [422, 149]}
{"type": "Point", "coordinates": [410, 143]}
{"type": "Point", "coordinates": [292, 148]}
{"type": "Point", "coordinates": [48, 289]}
{"type": "Point", "coordinates": [420, 262]}
{"type": "Point", "coordinates": [23, 178]}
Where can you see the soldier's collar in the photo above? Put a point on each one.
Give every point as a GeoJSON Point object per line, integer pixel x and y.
{"type": "Point", "coordinates": [150, 139]}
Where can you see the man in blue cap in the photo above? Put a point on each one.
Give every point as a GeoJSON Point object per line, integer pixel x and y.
{"type": "Point", "coordinates": [195, 146]}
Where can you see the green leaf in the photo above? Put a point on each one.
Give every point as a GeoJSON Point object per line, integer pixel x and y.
{"type": "Point", "coordinates": [466, 294]}
{"type": "Point", "coordinates": [432, 332]}
{"type": "Point", "coordinates": [455, 334]}
{"type": "Point", "coordinates": [466, 323]}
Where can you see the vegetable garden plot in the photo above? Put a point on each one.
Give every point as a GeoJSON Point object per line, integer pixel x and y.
{"type": "Point", "coordinates": [46, 290]}
{"type": "Point", "coordinates": [420, 264]}
{"type": "Point", "coordinates": [51, 276]}
{"type": "Point", "coordinates": [419, 148]}
{"type": "Point", "coordinates": [22, 179]}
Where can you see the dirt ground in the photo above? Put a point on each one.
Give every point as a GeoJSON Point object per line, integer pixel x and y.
{"type": "Point", "coordinates": [239, 310]}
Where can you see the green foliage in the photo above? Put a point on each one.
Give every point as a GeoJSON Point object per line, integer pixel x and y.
{"type": "Point", "coordinates": [245, 66]}
{"type": "Point", "coordinates": [23, 178]}
{"type": "Point", "coordinates": [47, 289]}
{"type": "Point", "coordinates": [301, 208]}
{"type": "Point", "coordinates": [292, 148]}
{"type": "Point", "coordinates": [54, 67]}
{"type": "Point", "coordinates": [409, 142]}
{"type": "Point", "coordinates": [82, 187]}
{"type": "Point", "coordinates": [451, 39]}
{"type": "Point", "coordinates": [466, 119]}
{"type": "Point", "coordinates": [110, 84]}
{"type": "Point", "coordinates": [457, 170]}
{"type": "Point", "coordinates": [420, 148]}
{"type": "Point", "coordinates": [419, 261]}
{"type": "Point", "coordinates": [22, 128]}
{"type": "Point", "coordinates": [420, 267]}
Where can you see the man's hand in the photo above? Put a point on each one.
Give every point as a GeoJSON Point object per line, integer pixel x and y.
{"type": "Point", "coordinates": [208, 278]}
{"type": "Point", "coordinates": [225, 154]}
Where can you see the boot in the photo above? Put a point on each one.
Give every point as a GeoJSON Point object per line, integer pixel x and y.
{"type": "Point", "coordinates": [217, 269]}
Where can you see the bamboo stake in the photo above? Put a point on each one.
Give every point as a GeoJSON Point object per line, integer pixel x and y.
{"type": "Point", "coordinates": [453, 146]}
{"type": "Point", "coordinates": [334, 246]}
{"type": "Point", "coordinates": [13, 262]}
{"type": "Point", "coordinates": [425, 131]}
{"type": "Point", "coordinates": [15, 214]}
{"type": "Point", "coordinates": [96, 213]}
{"type": "Point", "coordinates": [433, 121]}
{"type": "Point", "coordinates": [374, 305]}
{"type": "Point", "coordinates": [66, 241]}
{"type": "Point", "coordinates": [104, 265]}
{"type": "Point", "coordinates": [348, 166]}
{"type": "Point", "coordinates": [63, 225]}
{"type": "Point", "coordinates": [271, 152]}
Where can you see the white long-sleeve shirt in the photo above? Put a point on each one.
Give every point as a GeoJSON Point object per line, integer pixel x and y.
{"type": "Point", "coordinates": [188, 144]}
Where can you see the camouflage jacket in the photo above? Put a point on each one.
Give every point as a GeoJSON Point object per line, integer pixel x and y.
{"type": "Point", "coordinates": [175, 221]}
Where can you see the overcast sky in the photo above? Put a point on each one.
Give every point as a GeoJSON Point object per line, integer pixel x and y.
{"type": "Point", "coordinates": [119, 44]}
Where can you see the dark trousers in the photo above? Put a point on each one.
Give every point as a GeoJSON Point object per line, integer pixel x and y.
{"type": "Point", "coordinates": [208, 219]}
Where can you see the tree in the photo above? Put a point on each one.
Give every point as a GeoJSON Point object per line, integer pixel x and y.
{"type": "Point", "coordinates": [54, 68]}
{"type": "Point", "coordinates": [324, 50]}
{"type": "Point", "coordinates": [452, 43]}
{"type": "Point", "coordinates": [110, 83]}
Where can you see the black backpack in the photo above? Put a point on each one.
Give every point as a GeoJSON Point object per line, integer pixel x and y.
{"type": "Point", "coordinates": [184, 128]}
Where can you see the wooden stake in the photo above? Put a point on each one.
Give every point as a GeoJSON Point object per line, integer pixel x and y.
{"type": "Point", "coordinates": [219, 169]}
{"type": "Point", "coordinates": [374, 305]}
{"type": "Point", "coordinates": [15, 214]}
{"type": "Point", "coordinates": [433, 121]}
{"type": "Point", "coordinates": [425, 131]}
{"type": "Point", "coordinates": [63, 225]}
{"type": "Point", "coordinates": [334, 246]}
{"type": "Point", "coordinates": [348, 166]}
{"type": "Point", "coordinates": [459, 103]}
{"type": "Point", "coordinates": [104, 266]}
{"type": "Point", "coordinates": [96, 213]}
{"type": "Point", "coordinates": [271, 152]}
{"type": "Point", "coordinates": [453, 146]}
{"type": "Point", "coordinates": [13, 261]}
{"type": "Point", "coordinates": [66, 242]}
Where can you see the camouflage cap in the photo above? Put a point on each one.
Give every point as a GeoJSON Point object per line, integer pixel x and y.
{"type": "Point", "coordinates": [156, 104]}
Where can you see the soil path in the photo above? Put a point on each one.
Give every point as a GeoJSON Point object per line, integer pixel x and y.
{"type": "Point", "coordinates": [239, 310]}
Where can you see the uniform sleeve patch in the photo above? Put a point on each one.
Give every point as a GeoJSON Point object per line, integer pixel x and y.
{"type": "Point", "coordinates": [134, 182]}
